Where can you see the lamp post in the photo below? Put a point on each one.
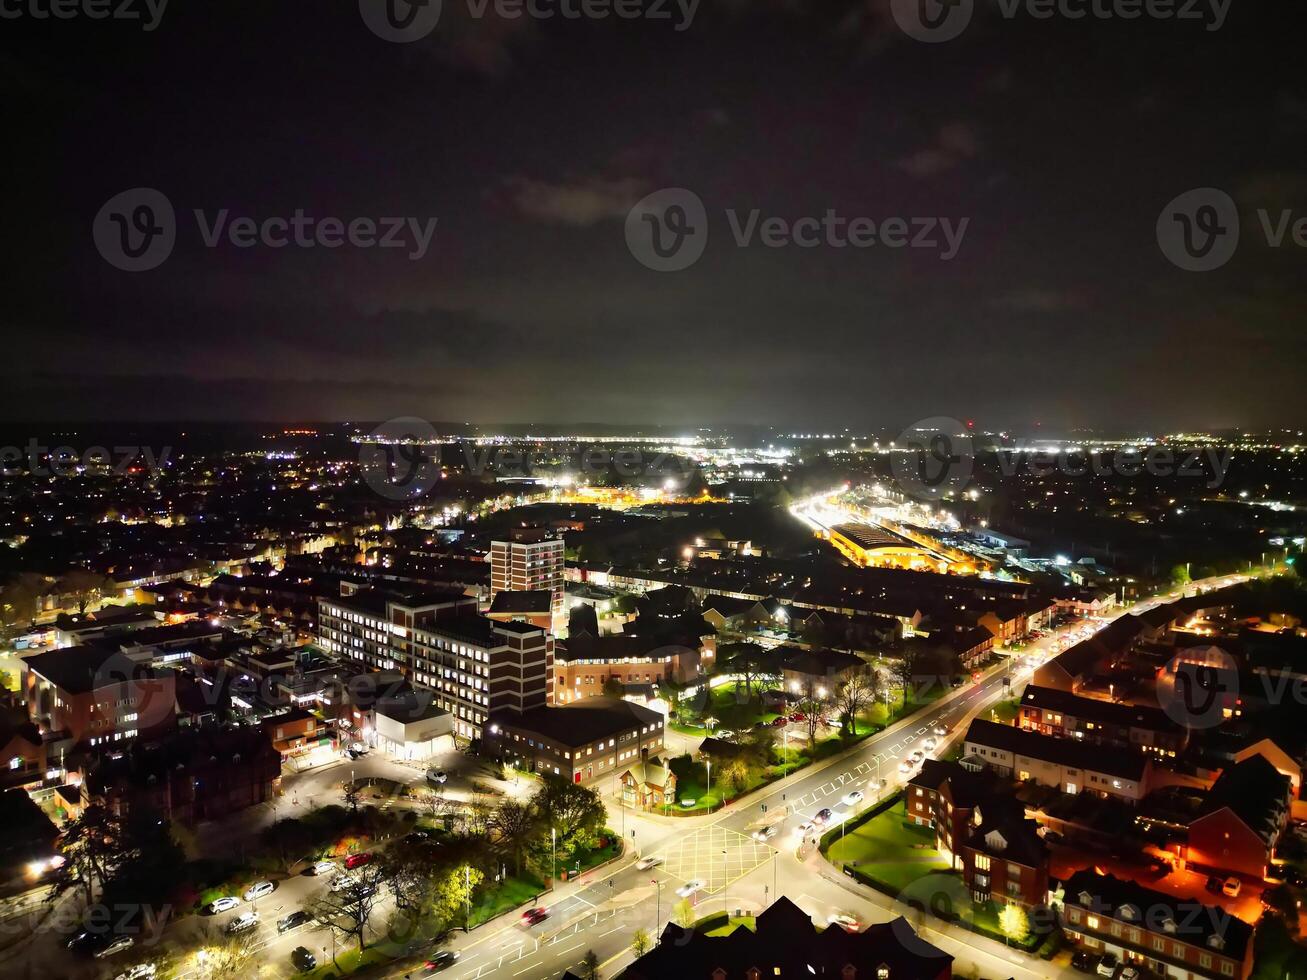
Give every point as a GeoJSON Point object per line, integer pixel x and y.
{"type": "Point", "coordinates": [553, 852]}
{"type": "Point", "coordinates": [467, 898]}
{"type": "Point", "coordinates": [725, 883]}
{"type": "Point", "coordinates": [709, 793]}
{"type": "Point", "coordinates": [658, 906]}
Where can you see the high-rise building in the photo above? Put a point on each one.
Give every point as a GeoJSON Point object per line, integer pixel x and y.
{"type": "Point", "coordinates": [439, 641]}
{"type": "Point", "coordinates": [530, 561]}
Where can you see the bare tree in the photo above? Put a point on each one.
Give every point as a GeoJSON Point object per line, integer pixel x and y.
{"type": "Point", "coordinates": [228, 955]}
{"type": "Point", "coordinates": [435, 805]}
{"type": "Point", "coordinates": [346, 910]}
{"type": "Point", "coordinates": [812, 703]}
{"type": "Point", "coordinates": [854, 697]}
{"type": "Point", "coordinates": [476, 817]}
{"type": "Point", "coordinates": [515, 824]}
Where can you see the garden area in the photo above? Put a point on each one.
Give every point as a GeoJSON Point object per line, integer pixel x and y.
{"type": "Point", "coordinates": [886, 849]}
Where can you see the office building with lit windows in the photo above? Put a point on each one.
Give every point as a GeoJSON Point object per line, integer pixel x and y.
{"type": "Point", "coordinates": [438, 641]}
{"type": "Point", "coordinates": [530, 562]}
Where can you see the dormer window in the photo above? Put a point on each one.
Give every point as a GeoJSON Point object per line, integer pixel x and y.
{"type": "Point", "coordinates": [1216, 941]}
{"type": "Point", "coordinates": [882, 972]}
{"type": "Point", "coordinates": [1168, 924]}
{"type": "Point", "coordinates": [1128, 912]}
{"type": "Point", "coordinates": [1086, 899]}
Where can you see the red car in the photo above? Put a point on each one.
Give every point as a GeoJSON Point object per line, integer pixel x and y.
{"type": "Point", "coordinates": [358, 860]}
{"type": "Point", "coordinates": [798, 716]}
{"type": "Point", "coordinates": [532, 916]}
{"type": "Point", "coordinates": [779, 722]}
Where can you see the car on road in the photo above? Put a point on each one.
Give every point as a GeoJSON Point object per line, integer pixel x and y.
{"type": "Point", "coordinates": [437, 776]}
{"type": "Point", "coordinates": [1231, 887]}
{"type": "Point", "coordinates": [116, 944]}
{"type": "Point", "coordinates": [689, 888]}
{"type": "Point", "coordinates": [243, 922]}
{"type": "Point", "coordinates": [302, 958]}
{"type": "Point", "coordinates": [822, 816]}
{"type": "Point", "coordinates": [324, 868]}
{"type": "Point", "coordinates": [1214, 884]}
{"type": "Point", "coordinates": [1107, 965]}
{"type": "Point", "coordinates": [85, 941]}
{"type": "Point", "coordinates": [645, 863]}
{"type": "Point", "coordinates": [763, 834]}
{"type": "Point", "coordinates": [1083, 960]}
{"type": "Point", "coordinates": [141, 971]}
{"type": "Point", "coordinates": [258, 890]}
{"type": "Point", "coordinates": [441, 961]}
{"type": "Point", "coordinates": [807, 827]}
{"type": "Point", "coordinates": [344, 881]}
{"type": "Point", "coordinates": [905, 766]}
{"type": "Point", "coordinates": [852, 798]}
{"type": "Point", "coordinates": [725, 733]}
{"type": "Point", "coordinates": [224, 904]}
{"type": "Point", "coordinates": [930, 743]}
{"type": "Point", "coordinates": [917, 756]}
{"type": "Point", "coordinates": [535, 915]}
{"type": "Point", "coordinates": [849, 923]}
{"type": "Point", "coordinates": [358, 860]}
{"type": "Point", "coordinates": [293, 921]}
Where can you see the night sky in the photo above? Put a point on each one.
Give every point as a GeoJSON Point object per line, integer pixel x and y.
{"type": "Point", "coordinates": [529, 141]}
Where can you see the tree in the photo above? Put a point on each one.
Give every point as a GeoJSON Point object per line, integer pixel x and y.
{"type": "Point", "coordinates": [516, 825]}
{"type": "Point", "coordinates": [641, 942]}
{"type": "Point", "coordinates": [288, 841]}
{"type": "Point", "coordinates": [854, 697]}
{"type": "Point", "coordinates": [476, 817]}
{"type": "Point", "coordinates": [347, 910]}
{"type": "Point", "coordinates": [92, 849]}
{"type": "Point", "coordinates": [812, 704]}
{"type": "Point", "coordinates": [614, 688]}
{"type": "Point", "coordinates": [1014, 923]}
{"type": "Point", "coordinates": [412, 874]}
{"type": "Point", "coordinates": [84, 587]}
{"type": "Point", "coordinates": [1180, 575]}
{"type": "Point", "coordinates": [735, 772]}
{"type": "Point", "coordinates": [351, 792]}
{"type": "Point", "coordinates": [905, 667]}
{"type": "Point", "coordinates": [225, 956]}
{"type": "Point", "coordinates": [683, 913]}
{"type": "Point", "coordinates": [454, 892]}
{"type": "Point", "coordinates": [590, 966]}
{"type": "Point", "coordinates": [20, 599]}
{"type": "Point", "coordinates": [435, 805]}
{"type": "Point", "coordinates": [751, 662]}
{"type": "Point", "coordinates": [573, 812]}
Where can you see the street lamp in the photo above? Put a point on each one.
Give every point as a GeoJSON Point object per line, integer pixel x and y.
{"type": "Point", "coordinates": [709, 794]}
{"type": "Point", "coordinates": [658, 906]}
{"type": "Point", "coordinates": [553, 852]}
{"type": "Point", "coordinates": [725, 885]}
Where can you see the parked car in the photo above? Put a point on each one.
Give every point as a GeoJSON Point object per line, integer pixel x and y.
{"type": "Point", "coordinates": [689, 888]}
{"type": "Point", "coordinates": [437, 776]}
{"type": "Point", "coordinates": [763, 834]}
{"type": "Point", "coordinates": [1129, 973]}
{"type": "Point", "coordinates": [1107, 965]}
{"type": "Point", "coordinates": [917, 756]}
{"type": "Point", "coordinates": [441, 961]}
{"type": "Point", "coordinates": [1084, 961]}
{"type": "Point", "coordinates": [141, 971]}
{"type": "Point", "coordinates": [852, 798]}
{"type": "Point", "coordinates": [116, 944]}
{"type": "Point", "coordinates": [224, 904]}
{"type": "Point", "coordinates": [798, 716]}
{"type": "Point", "coordinates": [1231, 887]}
{"type": "Point", "coordinates": [821, 816]}
{"type": "Point", "coordinates": [535, 915]}
{"type": "Point", "coordinates": [258, 890]}
{"type": "Point", "coordinates": [85, 942]}
{"type": "Point", "coordinates": [1214, 884]}
{"type": "Point", "coordinates": [324, 868]}
{"type": "Point", "coordinates": [779, 722]}
{"type": "Point", "coordinates": [302, 958]}
{"type": "Point", "coordinates": [243, 922]}
{"type": "Point", "coordinates": [930, 743]}
{"type": "Point", "coordinates": [293, 921]}
{"type": "Point", "coordinates": [343, 881]}
{"type": "Point", "coordinates": [848, 923]}
{"type": "Point", "coordinates": [905, 766]}
{"type": "Point", "coordinates": [645, 863]}
{"type": "Point", "coordinates": [358, 860]}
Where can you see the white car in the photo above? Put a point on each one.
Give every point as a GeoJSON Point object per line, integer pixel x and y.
{"type": "Point", "coordinates": [941, 729]}
{"type": "Point", "coordinates": [141, 971]}
{"type": "Point", "coordinates": [845, 921]}
{"type": "Point", "coordinates": [323, 868]}
{"type": "Point", "coordinates": [644, 864]}
{"type": "Point", "coordinates": [918, 756]}
{"type": "Point", "coordinates": [689, 888]}
{"type": "Point", "coordinates": [807, 827]}
{"type": "Point", "coordinates": [116, 945]}
{"type": "Point", "coordinates": [224, 904]}
{"type": "Point", "coordinates": [764, 834]}
{"type": "Point", "coordinates": [343, 882]}
{"type": "Point", "coordinates": [930, 743]}
{"type": "Point", "coordinates": [852, 798]}
{"type": "Point", "coordinates": [243, 922]}
{"type": "Point", "coordinates": [258, 890]}
{"type": "Point", "coordinates": [1231, 887]}
{"type": "Point", "coordinates": [906, 766]}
